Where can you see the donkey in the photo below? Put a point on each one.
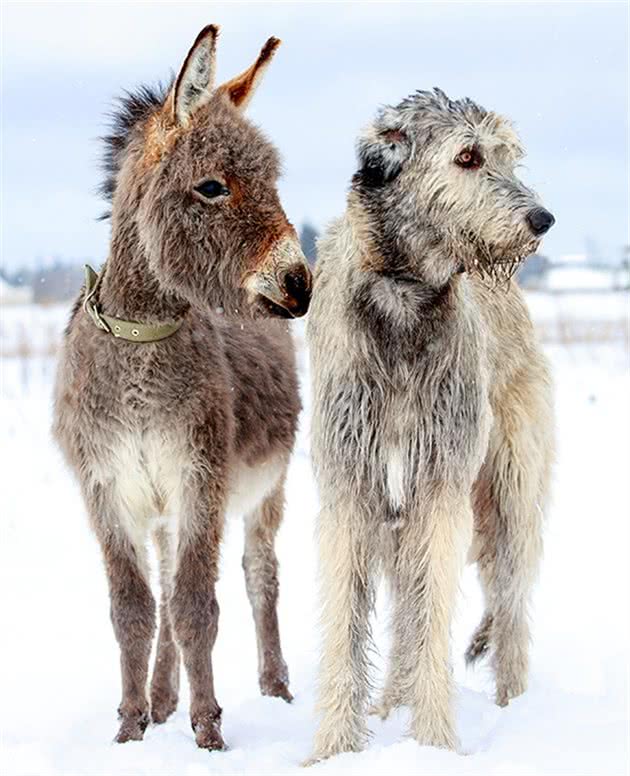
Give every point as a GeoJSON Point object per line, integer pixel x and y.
{"type": "Point", "coordinates": [176, 403]}
{"type": "Point", "coordinates": [432, 412]}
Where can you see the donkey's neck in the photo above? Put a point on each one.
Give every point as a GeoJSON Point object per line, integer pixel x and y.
{"type": "Point", "coordinates": [129, 289]}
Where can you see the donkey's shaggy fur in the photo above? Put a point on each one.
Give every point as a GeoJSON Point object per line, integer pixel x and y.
{"type": "Point", "coordinates": [167, 437]}
{"type": "Point", "coordinates": [432, 418]}
{"type": "Point", "coordinates": [132, 108]}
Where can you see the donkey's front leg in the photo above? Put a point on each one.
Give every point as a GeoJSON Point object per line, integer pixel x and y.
{"type": "Point", "coordinates": [430, 558]}
{"type": "Point", "coordinates": [133, 618]}
{"type": "Point", "coordinates": [194, 607]}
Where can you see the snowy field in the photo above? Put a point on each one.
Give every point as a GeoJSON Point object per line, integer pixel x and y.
{"type": "Point", "coordinates": [60, 677]}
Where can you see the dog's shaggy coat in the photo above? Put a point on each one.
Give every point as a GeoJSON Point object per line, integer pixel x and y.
{"type": "Point", "coordinates": [432, 427]}
{"type": "Point", "coordinates": [167, 437]}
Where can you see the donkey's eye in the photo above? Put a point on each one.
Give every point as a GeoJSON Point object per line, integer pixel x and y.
{"type": "Point", "coordinates": [469, 159]}
{"type": "Point", "coordinates": [212, 189]}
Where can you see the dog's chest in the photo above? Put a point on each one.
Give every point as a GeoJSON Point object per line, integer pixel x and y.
{"type": "Point", "coordinates": [401, 448]}
{"type": "Point", "coordinates": [430, 430]}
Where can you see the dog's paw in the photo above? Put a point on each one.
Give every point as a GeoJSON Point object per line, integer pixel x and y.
{"type": "Point", "coordinates": [507, 691]}
{"type": "Point", "coordinates": [381, 709]}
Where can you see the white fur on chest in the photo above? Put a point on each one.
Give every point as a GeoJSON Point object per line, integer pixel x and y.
{"type": "Point", "coordinates": [400, 425]}
{"type": "Point", "coordinates": [396, 468]}
{"type": "Point", "coordinates": [250, 485]}
{"type": "Point", "coordinates": [145, 472]}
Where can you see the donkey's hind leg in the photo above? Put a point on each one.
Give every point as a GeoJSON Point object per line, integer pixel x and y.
{"type": "Point", "coordinates": [261, 579]}
{"type": "Point", "coordinates": [165, 678]}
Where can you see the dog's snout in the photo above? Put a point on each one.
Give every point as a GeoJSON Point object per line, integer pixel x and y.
{"type": "Point", "coordinates": [296, 288]}
{"type": "Point", "coordinates": [540, 221]}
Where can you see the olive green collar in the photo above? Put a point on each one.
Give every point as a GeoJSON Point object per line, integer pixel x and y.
{"type": "Point", "coordinates": [133, 331]}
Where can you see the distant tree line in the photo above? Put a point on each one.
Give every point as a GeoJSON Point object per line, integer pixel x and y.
{"type": "Point", "coordinates": [57, 282]}
{"type": "Point", "coordinates": [61, 280]}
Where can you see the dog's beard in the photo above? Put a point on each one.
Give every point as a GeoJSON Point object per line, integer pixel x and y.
{"type": "Point", "coordinates": [495, 265]}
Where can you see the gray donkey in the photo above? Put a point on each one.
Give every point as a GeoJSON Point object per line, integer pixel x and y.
{"type": "Point", "coordinates": [432, 412]}
{"type": "Point", "coordinates": [172, 409]}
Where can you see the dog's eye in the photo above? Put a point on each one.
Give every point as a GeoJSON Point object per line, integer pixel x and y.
{"type": "Point", "coordinates": [469, 159]}
{"type": "Point", "coordinates": [212, 189]}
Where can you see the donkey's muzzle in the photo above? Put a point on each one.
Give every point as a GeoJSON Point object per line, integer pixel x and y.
{"type": "Point", "coordinates": [283, 282]}
{"type": "Point", "coordinates": [295, 288]}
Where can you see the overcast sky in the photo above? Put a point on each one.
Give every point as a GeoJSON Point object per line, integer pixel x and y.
{"type": "Point", "coordinates": [559, 70]}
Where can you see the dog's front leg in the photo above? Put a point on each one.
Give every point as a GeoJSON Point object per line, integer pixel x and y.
{"type": "Point", "coordinates": [346, 600]}
{"type": "Point", "coordinates": [430, 558]}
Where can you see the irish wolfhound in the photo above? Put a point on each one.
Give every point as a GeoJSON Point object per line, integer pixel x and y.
{"type": "Point", "coordinates": [173, 413]}
{"type": "Point", "coordinates": [432, 412]}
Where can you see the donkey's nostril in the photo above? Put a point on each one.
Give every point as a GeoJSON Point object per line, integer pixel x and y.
{"type": "Point", "coordinates": [540, 220]}
{"type": "Point", "coordinates": [296, 284]}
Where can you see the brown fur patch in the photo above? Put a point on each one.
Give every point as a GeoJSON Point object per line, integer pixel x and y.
{"type": "Point", "coordinates": [240, 88]}
{"type": "Point", "coordinates": [160, 136]}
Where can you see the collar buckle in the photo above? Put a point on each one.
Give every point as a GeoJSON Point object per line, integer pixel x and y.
{"type": "Point", "coordinates": [132, 331]}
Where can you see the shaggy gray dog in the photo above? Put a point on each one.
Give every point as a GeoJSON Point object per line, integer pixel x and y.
{"type": "Point", "coordinates": [433, 422]}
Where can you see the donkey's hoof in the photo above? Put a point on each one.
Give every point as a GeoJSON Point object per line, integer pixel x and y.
{"type": "Point", "coordinates": [208, 734]}
{"type": "Point", "coordinates": [162, 708]}
{"type": "Point", "coordinates": [132, 728]}
{"type": "Point", "coordinates": [275, 687]}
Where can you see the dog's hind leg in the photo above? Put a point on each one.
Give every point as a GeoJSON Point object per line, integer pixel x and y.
{"type": "Point", "coordinates": [347, 599]}
{"type": "Point", "coordinates": [481, 639]}
{"type": "Point", "coordinates": [261, 578]}
{"type": "Point", "coordinates": [516, 475]}
{"type": "Point", "coordinates": [483, 553]}
{"type": "Point", "coordinates": [398, 664]}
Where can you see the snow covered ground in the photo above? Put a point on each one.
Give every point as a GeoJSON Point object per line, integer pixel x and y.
{"type": "Point", "coordinates": [60, 678]}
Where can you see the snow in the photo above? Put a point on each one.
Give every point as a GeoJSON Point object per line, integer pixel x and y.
{"type": "Point", "coordinates": [14, 294]}
{"type": "Point", "coordinates": [576, 278]}
{"type": "Point", "coordinates": [60, 676]}
{"type": "Point", "coordinates": [579, 306]}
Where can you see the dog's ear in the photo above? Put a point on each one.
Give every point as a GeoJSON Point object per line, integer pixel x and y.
{"type": "Point", "coordinates": [382, 151]}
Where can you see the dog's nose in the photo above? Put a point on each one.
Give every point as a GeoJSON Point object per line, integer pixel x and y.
{"type": "Point", "coordinates": [540, 220]}
{"type": "Point", "coordinates": [296, 288]}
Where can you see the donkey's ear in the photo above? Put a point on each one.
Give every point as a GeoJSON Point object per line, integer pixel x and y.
{"type": "Point", "coordinates": [193, 86]}
{"type": "Point", "coordinates": [382, 151]}
{"type": "Point", "coordinates": [241, 89]}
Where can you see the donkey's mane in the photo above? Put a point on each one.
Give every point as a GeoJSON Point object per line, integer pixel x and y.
{"type": "Point", "coordinates": [130, 109]}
